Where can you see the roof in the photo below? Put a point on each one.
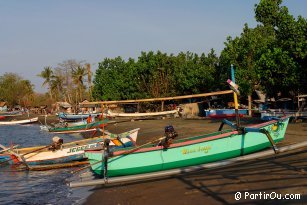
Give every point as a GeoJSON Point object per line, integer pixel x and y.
{"type": "Point", "coordinates": [64, 104]}
{"type": "Point", "coordinates": [2, 104]}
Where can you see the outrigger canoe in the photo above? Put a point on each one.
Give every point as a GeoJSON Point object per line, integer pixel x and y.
{"type": "Point", "coordinates": [79, 128]}
{"type": "Point", "coordinates": [19, 122]}
{"type": "Point", "coordinates": [69, 152]}
{"type": "Point", "coordinates": [197, 150]}
{"type": "Point", "coordinates": [149, 114]}
{"type": "Point", "coordinates": [76, 117]}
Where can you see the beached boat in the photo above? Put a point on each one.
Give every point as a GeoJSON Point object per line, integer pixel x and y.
{"type": "Point", "coordinates": [270, 114]}
{"type": "Point", "coordinates": [188, 151]}
{"type": "Point", "coordinates": [148, 114]}
{"type": "Point", "coordinates": [79, 128]}
{"type": "Point", "coordinates": [12, 113]}
{"type": "Point", "coordinates": [16, 122]}
{"type": "Point", "coordinates": [225, 113]}
{"type": "Point", "coordinates": [76, 117]}
{"type": "Point", "coordinates": [68, 152]}
{"type": "Point", "coordinates": [2, 117]}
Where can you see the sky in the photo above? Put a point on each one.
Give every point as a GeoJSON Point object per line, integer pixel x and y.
{"type": "Point", "coordinates": [39, 33]}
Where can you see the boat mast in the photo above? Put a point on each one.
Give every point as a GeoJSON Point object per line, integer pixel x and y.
{"type": "Point", "coordinates": [235, 97]}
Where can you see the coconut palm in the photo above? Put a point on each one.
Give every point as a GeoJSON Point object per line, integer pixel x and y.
{"type": "Point", "coordinates": [77, 76]}
{"type": "Point", "coordinates": [47, 74]}
{"type": "Point", "coordinates": [56, 85]}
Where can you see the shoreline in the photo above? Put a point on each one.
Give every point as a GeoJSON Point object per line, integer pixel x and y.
{"type": "Point", "coordinates": [282, 173]}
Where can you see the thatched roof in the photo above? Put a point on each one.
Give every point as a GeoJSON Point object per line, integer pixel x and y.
{"type": "Point", "coordinates": [2, 104]}
{"type": "Point", "coordinates": [64, 104]}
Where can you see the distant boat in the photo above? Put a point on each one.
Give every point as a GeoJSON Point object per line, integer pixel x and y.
{"type": "Point", "coordinates": [145, 114]}
{"type": "Point", "coordinates": [76, 117]}
{"type": "Point", "coordinates": [12, 113]}
{"type": "Point", "coordinates": [79, 128]}
{"type": "Point", "coordinates": [271, 114]}
{"type": "Point", "coordinates": [224, 113]}
{"type": "Point", "coordinates": [16, 122]}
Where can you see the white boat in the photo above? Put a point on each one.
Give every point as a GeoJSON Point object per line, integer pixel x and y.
{"type": "Point", "coordinates": [145, 114]}
{"type": "Point", "coordinates": [270, 114]}
{"type": "Point", "coordinates": [16, 122]}
{"type": "Point", "coordinates": [73, 151]}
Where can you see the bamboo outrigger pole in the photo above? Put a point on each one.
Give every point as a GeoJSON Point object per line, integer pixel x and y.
{"type": "Point", "coordinates": [158, 99]}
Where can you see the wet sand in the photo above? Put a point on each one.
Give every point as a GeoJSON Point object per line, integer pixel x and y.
{"type": "Point", "coordinates": [284, 173]}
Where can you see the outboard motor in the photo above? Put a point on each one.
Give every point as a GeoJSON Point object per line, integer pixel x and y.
{"type": "Point", "coordinates": [170, 134]}
{"type": "Point", "coordinates": [56, 143]}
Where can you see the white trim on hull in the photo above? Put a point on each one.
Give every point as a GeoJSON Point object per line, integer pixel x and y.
{"type": "Point", "coordinates": [111, 114]}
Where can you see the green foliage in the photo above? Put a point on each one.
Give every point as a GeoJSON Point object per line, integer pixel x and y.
{"type": "Point", "coordinates": [272, 56]}
{"type": "Point", "coordinates": [154, 75]}
{"type": "Point", "coordinates": [15, 90]}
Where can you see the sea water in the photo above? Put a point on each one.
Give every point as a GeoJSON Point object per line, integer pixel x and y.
{"type": "Point", "coordinates": [35, 187]}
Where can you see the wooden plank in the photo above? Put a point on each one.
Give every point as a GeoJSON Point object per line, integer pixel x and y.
{"type": "Point", "coordinates": [160, 99]}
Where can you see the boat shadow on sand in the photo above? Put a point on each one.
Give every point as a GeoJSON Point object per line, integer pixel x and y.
{"type": "Point", "coordinates": [285, 173]}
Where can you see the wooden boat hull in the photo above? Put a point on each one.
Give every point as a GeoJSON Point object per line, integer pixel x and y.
{"type": "Point", "coordinates": [79, 128]}
{"type": "Point", "coordinates": [271, 114]}
{"type": "Point", "coordinates": [10, 114]}
{"type": "Point", "coordinates": [72, 117]}
{"type": "Point", "coordinates": [188, 152]}
{"type": "Point", "coordinates": [220, 113]}
{"type": "Point", "coordinates": [19, 122]}
{"type": "Point", "coordinates": [223, 116]}
{"type": "Point", "coordinates": [70, 152]}
{"type": "Point", "coordinates": [151, 114]}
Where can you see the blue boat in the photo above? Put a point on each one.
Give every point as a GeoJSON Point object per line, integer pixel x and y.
{"type": "Point", "coordinates": [224, 113]}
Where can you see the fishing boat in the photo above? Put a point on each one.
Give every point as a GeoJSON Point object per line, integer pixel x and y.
{"type": "Point", "coordinates": [270, 114]}
{"type": "Point", "coordinates": [10, 114]}
{"type": "Point", "coordinates": [225, 113]}
{"type": "Point", "coordinates": [90, 127]}
{"type": "Point", "coordinates": [69, 152]}
{"type": "Point", "coordinates": [148, 114]}
{"type": "Point", "coordinates": [221, 145]}
{"type": "Point", "coordinates": [16, 122]}
{"type": "Point", "coordinates": [76, 117]}
{"type": "Point", "coordinates": [2, 117]}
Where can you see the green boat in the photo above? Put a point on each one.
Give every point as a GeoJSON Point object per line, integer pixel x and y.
{"type": "Point", "coordinates": [79, 128]}
{"type": "Point", "coordinates": [191, 151]}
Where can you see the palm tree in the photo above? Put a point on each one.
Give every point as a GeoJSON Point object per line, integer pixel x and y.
{"type": "Point", "coordinates": [77, 76]}
{"type": "Point", "coordinates": [56, 85]}
{"type": "Point", "coordinates": [47, 74]}
{"type": "Point", "coordinates": [89, 80]}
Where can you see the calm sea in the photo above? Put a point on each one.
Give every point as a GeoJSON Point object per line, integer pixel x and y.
{"type": "Point", "coordinates": [35, 187]}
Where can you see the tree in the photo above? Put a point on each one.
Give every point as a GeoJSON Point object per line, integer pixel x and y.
{"type": "Point", "coordinates": [291, 42]}
{"type": "Point", "coordinates": [15, 90]}
{"type": "Point", "coordinates": [47, 74]}
{"type": "Point", "coordinates": [271, 55]}
{"type": "Point", "coordinates": [77, 77]}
